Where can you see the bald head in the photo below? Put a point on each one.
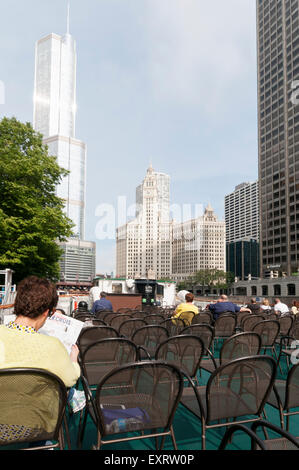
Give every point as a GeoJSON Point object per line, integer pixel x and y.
{"type": "Point", "coordinates": [223, 298]}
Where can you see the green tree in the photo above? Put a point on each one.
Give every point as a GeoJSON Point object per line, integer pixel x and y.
{"type": "Point", "coordinates": [211, 278]}
{"type": "Point", "coordinates": [31, 215]}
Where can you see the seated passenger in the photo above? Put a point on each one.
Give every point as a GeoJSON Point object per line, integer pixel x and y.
{"type": "Point", "coordinates": [102, 304]}
{"type": "Point", "coordinates": [188, 306]}
{"type": "Point", "coordinates": [224, 306]}
{"type": "Point", "coordinates": [22, 345]}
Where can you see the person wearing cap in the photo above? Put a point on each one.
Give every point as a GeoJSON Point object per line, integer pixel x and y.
{"type": "Point", "coordinates": [101, 304]}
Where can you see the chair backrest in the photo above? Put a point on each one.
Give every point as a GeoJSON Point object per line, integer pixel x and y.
{"type": "Point", "coordinates": [241, 316]}
{"type": "Point", "coordinates": [295, 329]}
{"type": "Point", "coordinates": [32, 405]}
{"type": "Point", "coordinates": [128, 327]}
{"type": "Point", "coordinates": [292, 388]}
{"type": "Point", "coordinates": [100, 314]}
{"type": "Point", "coordinates": [204, 331]}
{"type": "Point", "coordinates": [174, 326]}
{"type": "Point", "coordinates": [91, 321]}
{"type": "Point", "coordinates": [153, 319]}
{"type": "Point", "coordinates": [240, 345]}
{"type": "Point", "coordinates": [184, 351]}
{"type": "Point", "coordinates": [187, 317]}
{"type": "Point", "coordinates": [116, 321]}
{"type": "Point", "coordinates": [150, 395]}
{"type": "Point", "coordinates": [138, 314]}
{"type": "Point", "coordinates": [249, 322]}
{"type": "Point", "coordinates": [240, 387]}
{"type": "Point", "coordinates": [225, 324]}
{"type": "Point", "coordinates": [83, 316]}
{"type": "Point", "coordinates": [104, 355]}
{"type": "Point", "coordinates": [109, 317]}
{"type": "Point", "coordinates": [268, 330]}
{"type": "Point", "coordinates": [92, 334]}
{"type": "Point", "coordinates": [203, 317]}
{"type": "Point", "coordinates": [124, 310]}
{"type": "Point", "coordinates": [149, 337]}
{"type": "Point", "coordinates": [285, 324]}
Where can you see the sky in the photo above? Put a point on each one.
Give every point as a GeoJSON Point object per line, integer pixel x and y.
{"type": "Point", "coordinates": [167, 82]}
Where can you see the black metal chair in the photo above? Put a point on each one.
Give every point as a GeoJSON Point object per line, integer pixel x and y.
{"type": "Point", "coordinates": [240, 318]}
{"type": "Point", "coordinates": [285, 396]}
{"type": "Point", "coordinates": [91, 334]}
{"type": "Point", "coordinates": [110, 316]}
{"type": "Point", "coordinates": [148, 339]}
{"type": "Point", "coordinates": [138, 314]}
{"type": "Point", "coordinates": [98, 359]}
{"type": "Point", "coordinates": [283, 441]}
{"type": "Point", "coordinates": [285, 324]}
{"type": "Point", "coordinates": [124, 310]}
{"type": "Point", "coordinates": [145, 401]}
{"type": "Point", "coordinates": [184, 351]}
{"type": "Point", "coordinates": [204, 331]}
{"type": "Point", "coordinates": [119, 319]}
{"type": "Point", "coordinates": [243, 344]}
{"type": "Point", "coordinates": [224, 326]}
{"type": "Point", "coordinates": [32, 408]}
{"type": "Point", "coordinates": [203, 317]}
{"type": "Point", "coordinates": [249, 322]}
{"type": "Point", "coordinates": [100, 314]}
{"type": "Point", "coordinates": [128, 327]}
{"type": "Point", "coordinates": [288, 344]}
{"type": "Point", "coordinates": [236, 391]}
{"type": "Point", "coordinates": [83, 316]}
{"type": "Point", "coordinates": [174, 326]}
{"type": "Point", "coordinates": [153, 319]}
{"type": "Point", "coordinates": [268, 330]}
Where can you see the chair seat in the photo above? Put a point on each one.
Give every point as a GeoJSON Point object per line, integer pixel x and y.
{"type": "Point", "coordinates": [280, 444]}
{"type": "Point", "coordinates": [225, 403]}
{"type": "Point", "coordinates": [150, 406]}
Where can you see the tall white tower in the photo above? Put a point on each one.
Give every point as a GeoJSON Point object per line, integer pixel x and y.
{"type": "Point", "coordinates": [144, 244]}
{"type": "Point", "coordinates": [54, 116]}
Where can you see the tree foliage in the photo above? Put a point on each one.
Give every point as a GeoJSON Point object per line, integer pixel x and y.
{"type": "Point", "coordinates": [31, 215]}
{"type": "Point", "coordinates": [208, 278]}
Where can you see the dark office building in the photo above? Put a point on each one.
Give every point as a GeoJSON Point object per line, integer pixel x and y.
{"type": "Point", "coordinates": [242, 258]}
{"type": "Point", "coordinates": [278, 115]}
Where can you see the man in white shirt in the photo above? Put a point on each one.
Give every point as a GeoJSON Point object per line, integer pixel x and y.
{"type": "Point", "coordinates": [280, 307]}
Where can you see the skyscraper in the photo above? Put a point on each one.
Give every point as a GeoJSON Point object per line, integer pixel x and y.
{"type": "Point", "coordinates": [242, 212]}
{"type": "Point", "coordinates": [144, 244]}
{"type": "Point", "coordinates": [198, 244]}
{"type": "Point", "coordinates": [278, 118]}
{"type": "Point", "coordinates": [165, 248]}
{"type": "Point", "coordinates": [54, 116]}
{"type": "Point", "coordinates": [242, 230]}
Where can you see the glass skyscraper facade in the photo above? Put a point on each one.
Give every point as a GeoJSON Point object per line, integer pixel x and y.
{"type": "Point", "coordinates": [55, 118]}
{"type": "Point", "coordinates": [278, 116]}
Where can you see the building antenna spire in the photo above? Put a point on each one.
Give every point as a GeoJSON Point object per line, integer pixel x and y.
{"type": "Point", "coordinates": [68, 17]}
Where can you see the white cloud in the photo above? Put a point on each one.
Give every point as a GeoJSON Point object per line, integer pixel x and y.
{"type": "Point", "coordinates": [199, 50]}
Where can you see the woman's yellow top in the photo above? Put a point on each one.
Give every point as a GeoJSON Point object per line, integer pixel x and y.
{"type": "Point", "coordinates": [34, 350]}
{"type": "Point", "coordinates": [185, 307]}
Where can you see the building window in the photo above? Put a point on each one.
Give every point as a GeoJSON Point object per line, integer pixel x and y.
{"type": "Point", "coordinates": [291, 289]}
{"type": "Point", "coordinates": [277, 289]}
{"type": "Point", "coordinates": [264, 290]}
